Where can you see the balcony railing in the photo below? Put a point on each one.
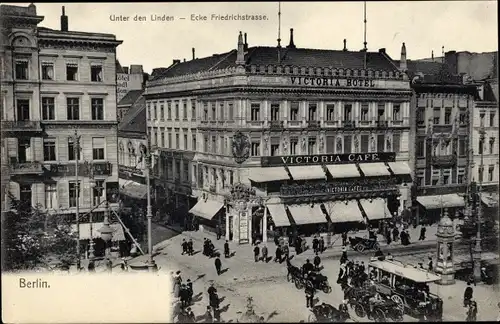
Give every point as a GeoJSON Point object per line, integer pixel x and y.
{"type": "Point", "coordinates": [444, 160]}
{"type": "Point", "coordinates": [294, 123]}
{"type": "Point", "coordinates": [21, 125]}
{"type": "Point", "coordinates": [32, 167]}
{"type": "Point", "coordinates": [255, 122]}
{"type": "Point", "coordinates": [442, 128]}
{"type": "Point", "coordinates": [313, 123]}
{"type": "Point", "coordinates": [382, 124]}
{"type": "Point", "coordinates": [276, 124]}
{"type": "Point", "coordinates": [349, 124]}
{"type": "Point", "coordinates": [68, 169]}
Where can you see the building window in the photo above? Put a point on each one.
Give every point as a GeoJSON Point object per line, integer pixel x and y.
{"type": "Point", "coordinates": [185, 172]}
{"type": "Point", "coordinates": [169, 110]}
{"type": "Point", "coordinates": [230, 110]}
{"type": "Point", "coordinates": [25, 197]}
{"type": "Point", "coordinates": [154, 136]}
{"type": "Point", "coordinates": [72, 148]}
{"type": "Point", "coordinates": [149, 111]}
{"type": "Point", "coordinates": [347, 112]}
{"type": "Point", "coordinates": [98, 144]}
{"type": "Point", "coordinates": [481, 146]}
{"type": "Point", "coordinates": [348, 144]}
{"type": "Point", "coordinates": [71, 71]}
{"type": "Point", "coordinates": [185, 142]}
{"type": "Point", "coordinates": [396, 112]}
{"type": "Point", "coordinates": [365, 140]}
{"type": "Point", "coordinates": [51, 196]}
{"type": "Point", "coordinates": [214, 144]}
{"type": "Point", "coordinates": [311, 146]}
{"type": "Point", "coordinates": [461, 116]}
{"type": "Point", "coordinates": [380, 143]}
{"type": "Point", "coordinates": [420, 180]}
{"type": "Point", "coordinates": [169, 140]}
{"type": "Point", "coordinates": [193, 142]}
{"type": "Point", "coordinates": [73, 108]}
{"type": "Point", "coordinates": [480, 174]}
{"type": "Point", "coordinates": [177, 141]}
{"type": "Point", "coordinates": [162, 112]}
{"type": "Point", "coordinates": [293, 146]}
{"type": "Point", "coordinates": [330, 112]}
{"type": "Point", "coordinates": [96, 73]}
{"type": "Point", "coordinates": [22, 67]}
{"type": "Point", "coordinates": [162, 137]}
{"type": "Point", "coordinates": [447, 116]}
{"type": "Point", "coordinates": [48, 108]}
{"type": "Point", "coordinates": [47, 71]}
{"type": "Point", "coordinates": [49, 150]}
{"type": "Point", "coordinates": [492, 145]}
{"type": "Point", "coordinates": [380, 111]}
{"type": "Point", "coordinates": [420, 148]}
{"type": "Point", "coordinates": [461, 147]}
{"type": "Point", "coordinates": [275, 112]}
{"type": "Point", "coordinates": [23, 109]}
{"type": "Point", "coordinates": [435, 181]}
{"type": "Point", "coordinates": [491, 171]}
{"type": "Point", "coordinates": [97, 108]}
{"type": "Point", "coordinates": [294, 111]}
{"type": "Point", "coordinates": [481, 118]}
{"type": "Point", "coordinates": [74, 193]}
{"type": "Point", "coordinates": [155, 111]}
{"type": "Point", "coordinates": [436, 116]}
{"type": "Point", "coordinates": [492, 119]}
{"type": "Point", "coordinates": [255, 112]}
{"type": "Point", "coordinates": [221, 111]}
{"type": "Point", "coordinates": [460, 178]}
{"type": "Point", "coordinates": [205, 111]}
{"type": "Point", "coordinates": [275, 149]}
{"type": "Point", "coordinates": [193, 109]}
{"type": "Point", "coordinates": [255, 149]}
{"type": "Point", "coordinates": [364, 111]}
{"type": "Point", "coordinates": [421, 117]}
{"type": "Point", "coordinates": [205, 144]}
{"type": "Point", "coordinates": [214, 111]}
{"type": "Point", "coordinates": [312, 111]}
{"type": "Point", "coordinates": [446, 179]}
{"type": "Point", "coordinates": [396, 142]}
{"type": "Point", "coordinates": [98, 192]}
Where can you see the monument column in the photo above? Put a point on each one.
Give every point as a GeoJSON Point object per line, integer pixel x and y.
{"type": "Point", "coordinates": [445, 238]}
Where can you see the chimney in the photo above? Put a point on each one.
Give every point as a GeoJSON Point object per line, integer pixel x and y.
{"type": "Point", "coordinates": [345, 44]}
{"type": "Point", "coordinates": [240, 56]}
{"type": "Point", "coordinates": [451, 61]}
{"type": "Point", "coordinates": [403, 66]}
{"type": "Point", "coordinates": [184, 61]}
{"type": "Point", "coordinates": [192, 50]}
{"type": "Point", "coordinates": [64, 20]}
{"type": "Point", "coordinates": [245, 44]}
{"type": "Point", "coordinates": [382, 50]}
{"type": "Point", "coordinates": [125, 69]}
{"type": "Point", "coordinates": [432, 55]}
{"type": "Point", "coordinates": [291, 45]}
{"type": "Point", "coordinates": [176, 62]}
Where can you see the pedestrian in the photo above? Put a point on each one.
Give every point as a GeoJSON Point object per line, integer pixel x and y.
{"type": "Point", "coordinates": [184, 247]}
{"type": "Point", "coordinates": [177, 284]}
{"type": "Point", "coordinates": [430, 265]}
{"type": "Point", "coordinates": [472, 312]}
{"type": "Point", "coordinates": [264, 253]}
{"type": "Point", "coordinates": [190, 247]}
{"type": "Point", "coordinates": [256, 253]}
{"type": "Point", "coordinates": [183, 296]}
{"type": "Point", "coordinates": [211, 249]}
{"type": "Point", "coordinates": [307, 267]}
{"type": "Point", "coordinates": [286, 252]}
{"type": "Point", "coordinates": [395, 234]}
{"type": "Point", "coordinates": [342, 275]}
{"type": "Point", "coordinates": [189, 288]}
{"type": "Point", "coordinates": [309, 290]}
{"type": "Point", "coordinates": [362, 267]}
{"type": "Point", "coordinates": [205, 246]}
{"type": "Point", "coordinates": [91, 266]}
{"type": "Point", "coordinates": [218, 231]}
{"type": "Point", "coordinates": [190, 315]}
{"type": "Point", "coordinates": [124, 265]}
{"type": "Point", "coordinates": [276, 240]}
{"type": "Point", "coordinates": [315, 244]}
{"type": "Point", "coordinates": [343, 258]}
{"type": "Point", "coordinates": [422, 233]}
{"type": "Point", "coordinates": [109, 265]}
{"type": "Point", "coordinates": [468, 293]}
{"type": "Point", "coordinates": [226, 249]}
{"type": "Point", "coordinates": [321, 244]}
{"type": "Point", "coordinates": [344, 238]}
{"type": "Point", "coordinates": [208, 316]}
{"type": "Point", "coordinates": [211, 290]}
{"type": "Point", "coordinates": [277, 258]}
{"type": "Point", "coordinates": [217, 312]}
{"type": "Point", "coordinates": [317, 261]}
{"type": "Point", "coordinates": [218, 265]}
{"type": "Point", "coordinates": [388, 237]}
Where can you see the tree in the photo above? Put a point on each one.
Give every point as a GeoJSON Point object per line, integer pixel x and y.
{"type": "Point", "coordinates": [33, 239]}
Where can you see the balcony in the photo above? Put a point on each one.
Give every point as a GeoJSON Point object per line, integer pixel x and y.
{"type": "Point", "coordinates": [444, 160]}
{"type": "Point", "coordinates": [364, 122]}
{"type": "Point", "coordinates": [68, 169]}
{"type": "Point", "coordinates": [276, 124]}
{"type": "Point", "coordinates": [259, 123]}
{"type": "Point", "coordinates": [382, 124]}
{"type": "Point", "coordinates": [21, 126]}
{"type": "Point", "coordinates": [22, 168]}
{"type": "Point", "coordinates": [349, 124]}
{"type": "Point", "coordinates": [398, 122]}
{"type": "Point", "coordinates": [436, 128]}
{"type": "Point", "coordinates": [296, 123]}
{"type": "Point", "coordinates": [313, 124]}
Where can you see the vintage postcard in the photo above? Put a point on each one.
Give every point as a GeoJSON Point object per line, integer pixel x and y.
{"type": "Point", "coordinates": [249, 162]}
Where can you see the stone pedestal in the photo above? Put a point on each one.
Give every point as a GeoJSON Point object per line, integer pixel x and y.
{"type": "Point", "coordinates": [445, 251]}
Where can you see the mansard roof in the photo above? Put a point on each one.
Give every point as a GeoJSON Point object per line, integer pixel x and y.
{"type": "Point", "coordinates": [130, 98]}
{"type": "Point", "coordinates": [134, 120]}
{"type": "Point", "coordinates": [299, 57]}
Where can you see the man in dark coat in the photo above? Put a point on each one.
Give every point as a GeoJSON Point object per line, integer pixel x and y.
{"type": "Point", "coordinates": [278, 254]}
{"type": "Point", "coordinates": [208, 316]}
{"type": "Point", "coordinates": [344, 238]}
{"type": "Point", "coordinates": [190, 247]}
{"type": "Point", "coordinates": [189, 289]}
{"type": "Point", "coordinates": [218, 265]}
{"type": "Point", "coordinates": [184, 247]}
{"type": "Point", "coordinates": [422, 234]}
{"type": "Point", "coordinates": [468, 295]}
{"type": "Point", "coordinates": [343, 258]}
{"type": "Point", "coordinates": [315, 244]}
{"type": "Point", "coordinates": [205, 246]}
{"type": "Point", "coordinates": [321, 244]}
{"type": "Point", "coordinates": [211, 290]}
{"type": "Point", "coordinates": [317, 261]}
{"type": "Point", "coordinates": [307, 267]}
{"type": "Point", "coordinates": [430, 266]}
{"type": "Point", "coordinates": [226, 249]}
{"type": "Point", "coordinates": [395, 234]}
{"type": "Point", "coordinates": [388, 237]}
{"type": "Point", "coordinates": [256, 253]}
{"type": "Point", "coordinates": [218, 231]}
{"type": "Point", "coordinates": [309, 290]}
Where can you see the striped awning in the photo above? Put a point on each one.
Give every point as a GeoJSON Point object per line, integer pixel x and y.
{"type": "Point", "coordinates": [133, 189]}
{"type": "Point", "coordinates": [312, 172]}
{"type": "Point", "coordinates": [307, 214]}
{"type": "Point", "coordinates": [339, 171]}
{"type": "Point", "coordinates": [343, 212]}
{"type": "Point", "coordinates": [441, 201]}
{"type": "Point", "coordinates": [206, 208]}
{"type": "Point", "coordinates": [376, 169]}
{"type": "Point", "coordinates": [268, 174]}
{"type": "Point", "coordinates": [490, 199]}
{"type": "Point", "coordinates": [376, 209]}
{"type": "Point", "coordinates": [277, 211]}
{"type": "Point", "coordinates": [399, 168]}
{"type": "Point", "coordinates": [118, 233]}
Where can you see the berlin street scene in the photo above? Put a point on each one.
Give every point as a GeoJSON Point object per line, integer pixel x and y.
{"type": "Point", "coordinates": [277, 161]}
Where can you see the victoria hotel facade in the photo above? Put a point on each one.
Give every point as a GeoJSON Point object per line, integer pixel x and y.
{"type": "Point", "coordinates": [327, 135]}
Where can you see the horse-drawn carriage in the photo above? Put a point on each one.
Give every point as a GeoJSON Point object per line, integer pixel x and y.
{"type": "Point", "coordinates": [359, 300]}
{"type": "Point", "coordinates": [408, 287]}
{"type": "Point", "coordinates": [296, 276]}
{"type": "Point", "coordinates": [360, 244]}
{"type": "Point", "coordinates": [326, 313]}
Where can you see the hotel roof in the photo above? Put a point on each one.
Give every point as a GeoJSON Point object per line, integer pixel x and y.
{"type": "Point", "coordinates": [300, 57]}
{"type": "Point", "coordinates": [135, 119]}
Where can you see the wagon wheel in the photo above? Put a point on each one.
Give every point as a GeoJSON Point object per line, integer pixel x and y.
{"type": "Point", "coordinates": [376, 246]}
{"type": "Point", "coordinates": [289, 277]}
{"type": "Point", "coordinates": [327, 289]}
{"type": "Point", "coordinates": [311, 318]}
{"type": "Point", "coordinates": [398, 300]}
{"type": "Point", "coordinates": [298, 283]}
{"type": "Point", "coordinates": [359, 310]}
{"type": "Point", "coordinates": [378, 315]}
{"type": "Point", "coordinates": [397, 314]}
{"type": "Point", "coordinates": [359, 247]}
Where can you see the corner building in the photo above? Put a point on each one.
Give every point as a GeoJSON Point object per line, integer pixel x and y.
{"type": "Point", "coordinates": [327, 139]}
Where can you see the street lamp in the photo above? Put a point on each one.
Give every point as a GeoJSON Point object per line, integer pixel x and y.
{"type": "Point", "coordinates": [92, 184]}
{"type": "Point", "coordinates": [106, 230]}
{"type": "Point", "coordinates": [146, 154]}
{"type": "Point", "coordinates": [477, 247]}
{"type": "Point", "coordinates": [76, 151]}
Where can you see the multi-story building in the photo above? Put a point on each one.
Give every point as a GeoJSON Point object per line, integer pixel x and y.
{"type": "Point", "coordinates": [327, 136]}
{"type": "Point", "coordinates": [57, 84]}
{"type": "Point", "coordinates": [129, 79]}
{"type": "Point", "coordinates": [441, 109]}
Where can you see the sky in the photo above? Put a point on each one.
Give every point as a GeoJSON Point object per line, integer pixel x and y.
{"type": "Point", "coordinates": [423, 26]}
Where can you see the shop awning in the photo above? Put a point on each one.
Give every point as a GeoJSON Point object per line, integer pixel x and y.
{"type": "Point", "coordinates": [376, 209]}
{"type": "Point", "coordinates": [305, 214]}
{"type": "Point", "coordinates": [441, 201]}
{"type": "Point", "coordinates": [490, 199]}
{"type": "Point", "coordinates": [399, 168]}
{"type": "Point", "coordinates": [343, 212]}
{"type": "Point", "coordinates": [268, 174]}
{"type": "Point", "coordinates": [311, 172]}
{"type": "Point", "coordinates": [134, 189]}
{"type": "Point", "coordinates": [376, 169]}
{"type": "Point", "coordinates": [118, 234]}
{"type": "Point", "coordinates": [206, 208]}
{"type": "Point", "coordinates": [277, 211]}
{"type": "Point", "coordinates": [339, 171]}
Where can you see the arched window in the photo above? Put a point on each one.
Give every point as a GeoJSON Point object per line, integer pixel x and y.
{"type": "Point", "coordinates": [131, 154]}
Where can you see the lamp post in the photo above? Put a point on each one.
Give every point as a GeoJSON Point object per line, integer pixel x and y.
{"type": "Point", "coordinates": [92, 182]}
{"type": "Point", "coordinates": [106, 230]}
{"type": "Point", "coordinates": [149, 213]}
{"type": "Point", "coordinates": [76, 151]}
{"type": "Point", "coordinates": [477, 247]}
